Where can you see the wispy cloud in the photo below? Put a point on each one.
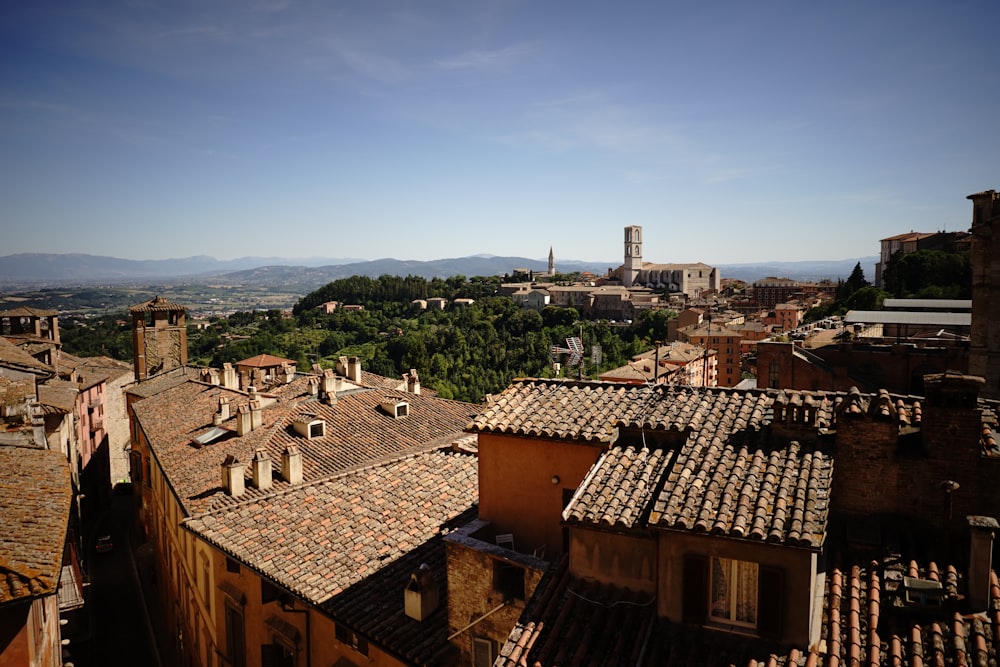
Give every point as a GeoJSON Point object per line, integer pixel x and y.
{"type": "Point", "coordinates": [487, 59]}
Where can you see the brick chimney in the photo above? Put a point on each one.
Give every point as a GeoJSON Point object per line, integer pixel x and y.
{"type": "Point", "coordinates": [980, 561]}
{"type": "Point", "coordinates": [232, 476]}
{"type": "Point", "coordinates": [260, 469]}
{"type": "Point", "coordinates": [291, 465]}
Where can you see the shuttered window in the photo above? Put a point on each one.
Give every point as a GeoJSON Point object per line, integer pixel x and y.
{"type": "Point", "coordinates": [695, 591]}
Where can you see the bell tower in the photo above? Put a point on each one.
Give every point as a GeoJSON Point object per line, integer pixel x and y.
{"type": "Point", "coordinates": [633, 255]}
{"type": "Point", "coordinates": [159, 337]}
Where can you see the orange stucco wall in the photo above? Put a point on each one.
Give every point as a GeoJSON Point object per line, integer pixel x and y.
{"type": "Point", "coordinates": [516, 489]}
{"type": "Point", "coordinates": [628, 561]}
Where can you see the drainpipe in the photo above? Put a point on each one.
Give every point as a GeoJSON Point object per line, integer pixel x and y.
{"type": "Point", "coordinates": [290, 607]}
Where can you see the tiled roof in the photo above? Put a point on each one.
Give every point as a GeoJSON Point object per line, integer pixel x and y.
{"type": "Point", "coordinates": [374, 605]}
{"type": "Point", "coordinates": [163, 381]}
{"type": "Point", "coordinates": [264, 361]}
{"type": "Point", "coordinates": [619, 488]}
{"type": "Point", "coordinates": [24, 311]}
{"type": "Point", "coordinates": [318, 540]}
{"type": "Point", "coordinates": [721, 476]}
{"type": "Point", "coordinates": [156, 304]}
{"type": "Point", "coordinates": [12, 355]}
{"type": "Point", "coordinates": [867, 618]}
{"type": "Point", "coordinates": [35, 499]}
{"type": "Point", "coordinates": [558, 409]}
{"type": "Point", "coordinates": [778, 494]}
{"type": "Point", "coordinates": [357, 432]}
{"type": "Point", "coordinates": [59, 394]}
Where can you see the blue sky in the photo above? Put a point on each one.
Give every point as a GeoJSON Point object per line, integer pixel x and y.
{"type": "Point", "coordinates": [731, 131]}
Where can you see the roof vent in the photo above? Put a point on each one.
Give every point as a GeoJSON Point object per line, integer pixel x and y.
{"type": "Point", "coordinates": [395, 408]}
{"type": "Point", "coordinates": [309, 426]}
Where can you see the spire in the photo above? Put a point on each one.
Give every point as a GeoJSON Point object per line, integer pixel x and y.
{"type": "Point", "coordinates": [552, 262]}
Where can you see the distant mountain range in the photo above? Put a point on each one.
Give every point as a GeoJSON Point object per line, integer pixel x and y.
{"type": "Point", "coordinates": [62, 270]}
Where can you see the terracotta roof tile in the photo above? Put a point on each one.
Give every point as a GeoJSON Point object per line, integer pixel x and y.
{"type": "Point", "coordinates": [35, 500]}
{"type": "Point", "coordinates": [156, 304]}
{"type": "Point", "coordinates": [347, 527]}
{"type": "Point", "coordinates": [357, 432]}
{"type": "Point", "coordinates": [722, 478]}
{"type": "Point", "coordinates": [14, 356]}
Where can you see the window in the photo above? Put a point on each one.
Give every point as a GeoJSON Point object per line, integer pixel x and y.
{"type": "Point", "coordinates": [235, 640]}
{"type": "Point", "coordinates": [232, 565]}
{"type": "Point", "coordinates": [734, 591]}
{"type": "Point", "coordinates": [350, 638]}
{"type": "Point", "coordinates": [484, 652]}
{"type": "Point", "coordinates": [277, 654]}
{"type": "Point", "coordinates": [739, 595]}
{"type": "Point", "coordinates": [268, 593]}
{"type": "Point", "coordinates": [206, 582]}
{"type": "Point", "coordinates": [508, 580]}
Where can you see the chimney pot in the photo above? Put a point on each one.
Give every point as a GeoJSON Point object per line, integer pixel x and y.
{"type": "Point", "coordinates": [232, 476]}
{"type": "Point", "coordinates": [260, 468]}
{"type": "Point", "coordinates": [420, 598]}
{"type": "Point", "coordinates": [291, 465]}
{"type": "Point", "coordinates": [244, 420]}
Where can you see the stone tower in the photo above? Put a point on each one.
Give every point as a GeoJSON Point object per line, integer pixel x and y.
{"type": "Point", "coordinates": [984, 348]}
{"type": "Point", "coordinates": [633, 255]}
{"type": "Point", "coordinates": [552, 262]}
{"type": "Point", "coordinates": [159, 337]}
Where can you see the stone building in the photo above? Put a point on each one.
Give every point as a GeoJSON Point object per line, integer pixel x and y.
{"type": "Point", "coordinates": [692, 280]}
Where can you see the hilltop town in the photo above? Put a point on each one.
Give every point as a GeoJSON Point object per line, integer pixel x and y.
{"type": "Point", "coordinates": [765, 481]}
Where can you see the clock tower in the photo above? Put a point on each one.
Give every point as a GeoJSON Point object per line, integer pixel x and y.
{"type": "Point", "coordinates": [633, 255]}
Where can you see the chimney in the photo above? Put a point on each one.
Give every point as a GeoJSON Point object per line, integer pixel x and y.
{"type": "Point", "coordinates": [232, 476]}
{"type": "Point", "coordinates": [354, 370]}
{"type": "Point", "coordinates": [229, 377]}
{"type": "Point", "coordinates": [980, 560]}
{"type": "Point", "coordinates": [244, 380]}
{"type": "Point", "coordinates": [260, 468]}
{"type": "Point", "coordinates": [412, 382]}
{"type": "Point", "coordinates": [329, 384]}
{"type": "Point", "coordinates": [313, 386]}
{"type": "Point", "coordinates": [224, 407]}
{"type": "Point", "coordinates": [291, 465]}
{"type": "Point", "coordinates": [420, 599]}
{"type": "Point", "coordinates": [244, 421]}
{"type": "Point", "coordinates": [255, 413]}
{"type": "Point", "coordinates": [286, 373]}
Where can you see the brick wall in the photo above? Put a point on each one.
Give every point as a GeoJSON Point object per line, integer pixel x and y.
{"type": "Point", "coordinates": [881, 469]}
{"type": "Point", "coordinates": [471, 595]}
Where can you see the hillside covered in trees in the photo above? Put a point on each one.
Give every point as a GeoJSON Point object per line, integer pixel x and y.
{"type": "Point", "coordinates": [462, 352]}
